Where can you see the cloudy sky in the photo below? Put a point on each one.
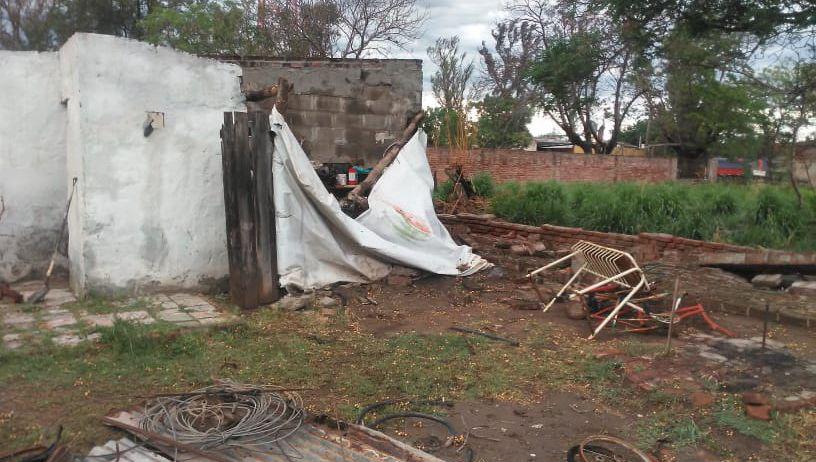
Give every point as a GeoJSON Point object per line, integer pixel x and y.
{"type": "Point", "coordinates": [472, 22]}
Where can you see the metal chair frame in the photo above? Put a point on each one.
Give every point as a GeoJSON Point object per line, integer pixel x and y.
{"type": "Point", "coordinates": [610, 266]}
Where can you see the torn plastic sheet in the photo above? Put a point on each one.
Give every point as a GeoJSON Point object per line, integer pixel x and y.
{"type": "Point", "coordinates": [318, 244]}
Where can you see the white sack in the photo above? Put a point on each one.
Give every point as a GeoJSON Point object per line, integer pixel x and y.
{"type": "Point", "coordinates": [318, 244]}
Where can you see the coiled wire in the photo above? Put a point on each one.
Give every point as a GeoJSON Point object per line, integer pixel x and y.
{"type": "Point", "coordinates": [226, 415]}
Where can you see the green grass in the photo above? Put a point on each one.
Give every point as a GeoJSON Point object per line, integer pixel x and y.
{"type": "Point", "coordinates": [679, 431]}
{"type": "Point", "coordinates": [732, 415]}
{"type": "Point", "coordinates": [753, 215]}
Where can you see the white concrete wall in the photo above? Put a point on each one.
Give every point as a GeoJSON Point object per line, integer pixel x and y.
{"type": "Point", "coordinates": [151, 209]}
{"type": "Point", "coordinates": [32, 161]}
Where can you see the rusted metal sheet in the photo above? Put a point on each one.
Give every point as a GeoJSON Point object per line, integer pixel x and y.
{"type": "Point", "coordinates": [312, 442]}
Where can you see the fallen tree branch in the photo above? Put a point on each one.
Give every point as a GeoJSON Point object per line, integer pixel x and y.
{"type": "Point", "coordinates": [357, 196]}
{"type": "Point", "coordinates": [264, 93]}
{"type": "Point", "coordinates": [468, 330]}
{"type": "Point", "coordinates": [282, 100]}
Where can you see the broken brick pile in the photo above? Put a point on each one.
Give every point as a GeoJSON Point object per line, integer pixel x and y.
{"type": "Point", "coordinates": [645, 247]}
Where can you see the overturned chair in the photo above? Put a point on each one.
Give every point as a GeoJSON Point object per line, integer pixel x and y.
{"type": "Point", "coordinates": [606, 266]}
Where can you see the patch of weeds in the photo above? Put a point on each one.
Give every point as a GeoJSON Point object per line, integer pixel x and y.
{"type": "Point", "coordinates": [680, 432]}
{"type": "Point", "coordinates": [134, 339]}
{"type": "Point", "coordinates": [661, 398]}
{"type": "Point", "coordinates": [94, 304]}
{"type": "Point", "coordinates": [598, 372]}
{"type": "Point", "coordinates": [637, 348]}
{"type": "Point", "coordinates": [710, 384]}
{"type": "Point", "coordinates": [731, 415]}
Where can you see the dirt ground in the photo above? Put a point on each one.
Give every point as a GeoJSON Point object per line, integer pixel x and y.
{"type": "Point", "coordinates": [544, 429]}
{"type": "Point", "coordinates": [625, 386]}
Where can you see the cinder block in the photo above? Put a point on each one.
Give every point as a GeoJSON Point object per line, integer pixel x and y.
{"type": "Point", "coordinates": [803, 288]}
{"type": "Point", "coordinates": [767, 281]}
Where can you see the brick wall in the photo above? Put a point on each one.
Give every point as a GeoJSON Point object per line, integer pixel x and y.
{"type": "Point", "coordinates": [342, 110]}
{"type": "Point", "coordinates": [644, 247]}
{"type": "Point", "coordinates": [516, 164]}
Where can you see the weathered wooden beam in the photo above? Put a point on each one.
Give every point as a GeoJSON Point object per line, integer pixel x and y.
{"type": "Point", "coordinates": [262, 146]}
{"type": "Point", "coordinates": [357, 196]}
{"type": "Point", "coordinates": [282, 99]}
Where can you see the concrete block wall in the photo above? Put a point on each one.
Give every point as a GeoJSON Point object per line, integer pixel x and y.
{"type": "Point", "coordinates": [32, 161]}
{"type": "Point", "coordinates": [342, 110]}
{"type": "Point", "coordinates": [519, 165]}
{"type": "Point", "coordinates": [150, 209]}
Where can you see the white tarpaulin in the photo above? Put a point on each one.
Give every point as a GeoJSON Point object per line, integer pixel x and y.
{"type": "Point", "coordinates": [318, 244]}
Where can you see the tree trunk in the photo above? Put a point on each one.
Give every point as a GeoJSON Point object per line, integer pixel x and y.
{"type": "Point", "coordinates": [357, 196]}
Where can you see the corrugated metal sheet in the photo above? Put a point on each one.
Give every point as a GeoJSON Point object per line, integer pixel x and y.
{"type": "Point", "coordinates": [124, 450]}
{"type": "Point", "coordinates": [312, 442]}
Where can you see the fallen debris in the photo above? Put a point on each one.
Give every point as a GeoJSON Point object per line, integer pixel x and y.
{"type": "Point", "coordinates": [468, 330]}
{"type": "Point", "coordinates": [230, 421]}
{"type": "Point", "coordinates": [356, 199]}
{"type": "Point", "coordinates": [604, 447]}
{"type": "Point", "coordinates": [39, 295]}
{"type": "Point", "coordinates": [7, 291]}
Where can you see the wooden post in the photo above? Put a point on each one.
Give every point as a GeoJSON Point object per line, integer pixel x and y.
{"type": "Point", "coordinates": [246, 148]}
{"type": "Point", "coordinates": [262, 147]}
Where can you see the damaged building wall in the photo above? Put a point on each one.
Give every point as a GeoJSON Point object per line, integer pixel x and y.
{"type": "Point", "coordinates": [32, 161]}
{"type": "Point", "coordinates": [343, 110]}
{"type": "Point", "coordinates": [150, 202]}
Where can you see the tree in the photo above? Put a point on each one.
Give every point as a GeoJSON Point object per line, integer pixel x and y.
{"type": "Point", "coordinates": [502, 124]}
{"type": "Point", "coordinates": [209, 27]}
{"type": "Point", "coordinates": [791, 92]}
{"type": "Point", "coordinates": [506, 108]}
{"type": "Point", "coordinates": [452, 77]}
{"type": "Point", "coordinates": [25, 24]}
{"type": "Point", "coordinates": [347, 28]}
{"type": "Point", "coordinates": [762, 19]}
{"type": "Point", "coordinates": [587, 72]}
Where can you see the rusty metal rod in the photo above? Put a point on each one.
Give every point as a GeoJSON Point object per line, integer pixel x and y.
{"type": "Point", "coordinates": [675, 304]}
{"type": "Point", "coordinates": [765, 324]}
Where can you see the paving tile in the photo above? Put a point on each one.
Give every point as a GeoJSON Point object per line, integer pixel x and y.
{"type": "Point", "coordinates": [212, 321]}
{"type": "Point", "coordinates": [169, 305]}
{"type": "Point", "coordinates": [99, 320]}
{"type": "Point", "coordinates": [202, 314]}
{"type": "Point", "coordinates": [12, 341]}
{"type": "Point", "coordinates": [60, 320]}
{"type": "Point", "coordinates": [67, 339]}
{"type": "Point", "coordinates": [206, 308]}
{"type": "Point", "coordinates": [140, 316]}
{"type": "Point", "coordinates": [18, 319]}
{"type": "Point", "coordinates": [174, 316]}
{"type": "Point", "coordinates": [188, 299]}
{"type": "Point", "coordinates": [58, 297]}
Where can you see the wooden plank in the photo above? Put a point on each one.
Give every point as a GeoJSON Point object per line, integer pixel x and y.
{"type": "Point", "coordinates": [244, 182]}
{"type": "Point", "coordinates": [262, 148]}
{"type": "Point", "coordinates": [231, 206]}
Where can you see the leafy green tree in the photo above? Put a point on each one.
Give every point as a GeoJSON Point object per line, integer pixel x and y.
{"type": "Point", "coordinates": [448, 128]}
{"type": "Point", "coordinates": [586, 74]}
{"type": "Point", "coordinates": [507, 106]}
{"type": "Point", "coordinates": [502, 124]}
{"type": "Point", "coordinates": [453, 75]}
{"type": "Point", "coordinates": [208, 27]}
{"type": "Point", "coordinates": [700, 106]}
